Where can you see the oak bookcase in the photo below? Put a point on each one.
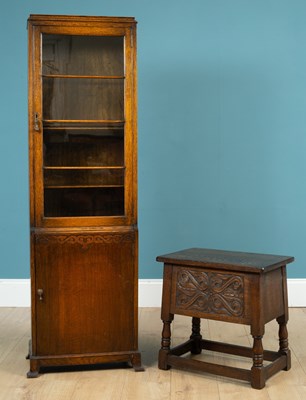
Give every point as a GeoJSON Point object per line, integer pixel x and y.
{"type": "Point", "coordinates": [83, 191]}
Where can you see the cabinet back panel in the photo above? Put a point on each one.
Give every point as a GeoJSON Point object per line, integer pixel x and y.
{"type": "Point", "coordinates": [83, 99]}
{"type": "Point", "coordinates": [79, 55]}
{"type": "Point", "coordinates": [101, 151]}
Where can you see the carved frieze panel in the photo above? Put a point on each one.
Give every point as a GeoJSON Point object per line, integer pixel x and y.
{"type": "Point", "coordinates": [210, 292]}
{"type": "Point", "coordinates": [85, 240]}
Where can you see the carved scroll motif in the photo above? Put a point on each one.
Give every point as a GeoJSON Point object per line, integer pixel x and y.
{"type": "Point", "coordinates": [209, 292]}
{"type": "Point", "coordinates": [85, 241]}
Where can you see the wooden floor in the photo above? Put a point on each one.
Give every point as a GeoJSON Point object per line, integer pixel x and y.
{"type": "Point", "coordinates": [123, 384]}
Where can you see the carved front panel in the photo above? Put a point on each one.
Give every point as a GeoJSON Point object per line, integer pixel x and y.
{"type": "Point", "coordinates": [210, 292]}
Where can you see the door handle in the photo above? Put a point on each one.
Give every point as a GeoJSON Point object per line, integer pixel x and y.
{"type": "Point", "coordinates": [36, 122]}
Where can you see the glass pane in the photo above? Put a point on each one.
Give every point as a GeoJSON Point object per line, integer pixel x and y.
{"type": "Point", "coordinates": [83, 202]}
{"type": "Point", "coordinates": [83, 147]}
{"type": "Point", "coordinates": [83, 55]}
{"type": "Point", "coordinates": [83, 125]}
{"type": "Point", "coordinates": [83, 99]}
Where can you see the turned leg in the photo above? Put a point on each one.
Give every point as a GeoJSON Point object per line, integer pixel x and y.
{"type": "Point", "coordinates": [196, 336]}
{"type": "Point", "coordinates": [283, 341]}
{"type": "Point", "coordinates": [165, 344]}
{"type": "Point", "coordinates": [166, 317]}
{"type": "Point", "coordinates": [257, 371]}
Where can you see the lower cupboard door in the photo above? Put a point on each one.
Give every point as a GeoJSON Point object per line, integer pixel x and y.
{"type": "Point", "coordinates": [85, 295]}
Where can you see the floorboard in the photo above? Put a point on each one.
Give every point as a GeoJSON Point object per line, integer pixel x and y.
{"type": "Point", "coordinates": [153, 384]}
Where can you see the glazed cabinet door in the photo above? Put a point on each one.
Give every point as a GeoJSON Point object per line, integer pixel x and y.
{"type": "Point", "coordinates": [85, 292]}
{"type": "Point", "coordinates": [83, 126]}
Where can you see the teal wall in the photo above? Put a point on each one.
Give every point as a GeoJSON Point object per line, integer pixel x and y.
{"type": "Point", "coordinates": [222, 126]}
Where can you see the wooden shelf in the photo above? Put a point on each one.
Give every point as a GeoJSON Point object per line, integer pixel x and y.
{"type": "Point", "coordinates": [62, 76]}
{"type": "Point", "coordinates": [85, 128]}
{"type": "Point", "coordinates": [83, 121]}
{"type": "Point", "coordinates": [82, 186]}
{"type": "Point", "coordinates": [61, 168]}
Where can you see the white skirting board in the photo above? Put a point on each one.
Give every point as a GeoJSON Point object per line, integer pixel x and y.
{"type": "Point", "coordinates": [16, 292]}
